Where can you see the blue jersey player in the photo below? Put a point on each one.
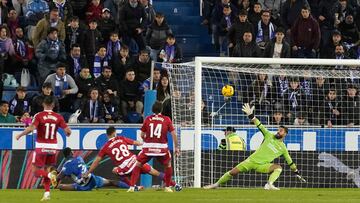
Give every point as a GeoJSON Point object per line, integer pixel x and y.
{"type": "Point", "coordinates": [75, 167]}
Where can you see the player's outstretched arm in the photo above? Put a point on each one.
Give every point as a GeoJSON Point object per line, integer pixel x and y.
{"type": "Point", "coordinates": [27, 130]}
{"type": "Point", "coordinates": [93, 166]}
{"type": "Point", "coordinates": [249, 111]}
{"type": "Point", "coordinates": [137, 143]}
{"type": "Point", "coordinates": [293, 167]}
{"type": "Point", "coordinates": [67, 131]}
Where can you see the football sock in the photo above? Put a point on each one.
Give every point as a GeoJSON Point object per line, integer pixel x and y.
{"type": "Point", "coordinates": [162, 178]}
{"type": "Point", "coordinates": [168, 174]}
{"type": "Point", "coordinates": [46, 183]}
{"type": "Point", "coordinates": [274, 175]}
{"type": "Point", "coordinates": [225, 178]}
{"type": "Point", "coordinates": [135, 176]}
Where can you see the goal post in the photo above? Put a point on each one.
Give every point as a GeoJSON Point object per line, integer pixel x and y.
{"type": "Point", "coordinates": [201, 163]}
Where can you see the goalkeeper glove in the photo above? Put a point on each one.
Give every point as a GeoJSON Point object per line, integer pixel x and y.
{"type": "Point", "coordinates": [297, 174]}
{"type": "Point", "coordinates": [249, 111]}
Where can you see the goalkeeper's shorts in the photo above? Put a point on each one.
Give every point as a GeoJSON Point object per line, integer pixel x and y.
{"type": "Point", "coordinates": [249, 165]}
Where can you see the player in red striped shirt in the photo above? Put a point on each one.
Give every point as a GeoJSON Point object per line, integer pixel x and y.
{"type": "Point", "coordinates": [46, 123]}
{"type": "Point", "coordinates": [154, 133]}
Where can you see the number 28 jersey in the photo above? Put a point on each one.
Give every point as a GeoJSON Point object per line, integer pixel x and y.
{"type": "Point", "coordinates": [47, 124]}
{"type": "Point", "coordinates": [156, 128]}
{"type": "Point", "coordinates": [117, 149]}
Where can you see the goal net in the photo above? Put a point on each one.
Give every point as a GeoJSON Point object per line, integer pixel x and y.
{"type": "Point", "coordinates": [317, 99]}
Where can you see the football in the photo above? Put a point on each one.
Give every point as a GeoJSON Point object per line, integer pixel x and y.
{"type": "Point", "coordinates": [227, 91]}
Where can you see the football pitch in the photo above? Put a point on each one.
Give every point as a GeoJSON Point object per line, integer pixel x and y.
{"type": "Point", "coordinates": [186, 196]}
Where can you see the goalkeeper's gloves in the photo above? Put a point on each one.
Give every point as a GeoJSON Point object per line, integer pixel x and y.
{"type": "Point", "coordinates": [297, 174]}
{"type": "Point", "coordinates": [249, 111]}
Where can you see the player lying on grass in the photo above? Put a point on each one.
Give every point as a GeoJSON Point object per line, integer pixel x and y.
{"type": "Point", "coordinates": [75, 167]}
{"type": "Point", "coordinates": [261, 160]}
{"type": "Point", "coordinates": [124, 160]}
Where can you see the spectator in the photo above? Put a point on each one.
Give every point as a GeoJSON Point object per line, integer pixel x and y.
{"type": "Point", "coordinates": [274, 7]}
{"type": "Point", "coordinates": [255, 16]}
{"type": "Point", "coordinates": [351, 108]}
{"type": "Point", "coordinates": [74, 33]}
{"type": "Point", "coordinates": [130, 94]}
{"type": "Point", "coordinates": [5, 116]}
{"type": "Point", "coordinates": [21, 7]}
{"type": "Point", "coordinates": [14, 22]}
{"type": "Point", "coordinates": [91, 41]}
{"type": "Point", "coordinates": [113, 48]}
{"type": "Point", "coordinates": [156, 35]}
{"type": "Point", "coordinates": [301, 119]}
{"type": "Point", "coordinates": [6, 50]}
{"type": "Point", "coordinates": [122, 63]}
{"type": "Point", "coordinates": [100, 61]}
{"type": "Point", "coordinates": [238, 29]}
{"type": "Point", "coordinates": [294, 99]}
{"type": "Point", "coordinates": [330, 109]}
{"type": "Point", "coordinates": [232, 141]}
{"type": "Point", "coordinates": [264, 30]}
{"type": "Point", "coordinates": [85, 82]}
{"type": "Point", "coordinates": [227, 20]}
{"type": "Point", "coordinates": [106, 25]}
{"type": "Point", "coordinates": [281, 86]}
{"type": "Point", "coordinates": [163, 94]}
{"type": "Point", "coordinates": [150, 13]}
{"type": "Point", "coordinates": [346, 10]}
{"type": "Point", "coordinates": [36, 104]}
{"type": "Point", "coordinates": [49, 52]}
{"type": "Point", "coordinates": [278, 118]}
{"type": "Point", "coordinates": [330, 10]}
{"type": "Point", "coordinates": [290, 11]}
{"type": "Point", "coordinates": [156, 79]}
{"type": "Point", "coordinates": [92, 111]}
{"type": "Point", "coordinates": [216, 16]}
{"type": "Point", "coordinates": [64, 87]}
{"type": "Point", "coordinates": [64, 7]}
{"type": "Point", "coordinates": [340, 53]}
{"type": "Point", "coordinates": [349, 30]}
{"type": "Point", "coordinates": [111, 107]}
{"type": "Point", "coordinates": [259, 94]}
{"type": "Point", "coordinates": [26, 119]}
{"type": "Point", "coordinates": [43, 26]}
{"type": "Point", "coordinates": [94, 11]}
{"type": "Point", "coordinates": [305, 35]}
{"type": "Point", "coordinates": [20, 103]}
{"type": "Point", "coordinates": [354, 51]}
{"type": "Point", "coordinates": [171, 52]}
{"type": "Point", "coordinates": [243, 5]}
{"type": "Point", "coordinates": [329, 50]}
{"type": "Point", "coordinates": [278, 48]}
{"type": "Point", "coordinates": [4, 10]}
{"type": "Point", "coordinates": [76, 61]}
{"type": "Point", "coordinates": [24, 52]}
{"type": "Point", "coordinates": [79, 8]}
{"type": "Point", "coordinates": [107, 83]}
{"type": "Point", "coordinates": [131, 23]}
{"type": "Point", "coordinates": [247, 47]}
{"type": "Point", "coordinates": [319, 92]}
{"type": "Point", "coordinates": [142, 66]}
{"type": "Point", "coordinates": [36, 10]}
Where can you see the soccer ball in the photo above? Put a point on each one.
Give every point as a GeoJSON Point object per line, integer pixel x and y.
{"type": "Point", "coordinates": [178, 188]}
{"type": "Point", "coordinates": [228, 91]}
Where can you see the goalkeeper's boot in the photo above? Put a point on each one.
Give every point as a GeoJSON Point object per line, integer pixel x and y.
{"type": "Point", "coordinates": [168, 189]}
{"type": "Point", "coordinates": [46, 197]}
{"type": "Point", "coordinates": [212, 186]}
{"type": "Point", "coordinates": [52, 176]}
{"type": "Point", "coordinates": [131, 189]}
{"type": "Point", "coordinates": [269, 186]}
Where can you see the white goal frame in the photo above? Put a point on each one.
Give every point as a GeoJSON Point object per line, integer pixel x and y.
{"type": "Point", "coordinates": [238, 60]}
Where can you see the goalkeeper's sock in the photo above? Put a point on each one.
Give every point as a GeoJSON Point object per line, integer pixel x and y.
{"type": "Point", "coordinates": [225, 178]}
{"type": "Point", "coordinates": [275, 175]}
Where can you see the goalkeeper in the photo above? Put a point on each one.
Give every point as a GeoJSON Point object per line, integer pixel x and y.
{"type": "Point", "coordinates": [261, 160]}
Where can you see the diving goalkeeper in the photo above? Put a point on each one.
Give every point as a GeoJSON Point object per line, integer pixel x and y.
{"type": "Point", "coordinates": [261, 160]}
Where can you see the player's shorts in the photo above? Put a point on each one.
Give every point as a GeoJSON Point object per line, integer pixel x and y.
{"type": "Point", "coordinates": [144, 157]}
{"type": "Point", "coordinates": [249, 165]}
{"type": "Point", "coordinates": [95, 182]}
{"type": "Point", "coordinates": [44, 157]}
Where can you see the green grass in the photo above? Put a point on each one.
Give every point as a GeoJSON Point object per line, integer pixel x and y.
{"type": "Point", "coordinates": [187, 195]}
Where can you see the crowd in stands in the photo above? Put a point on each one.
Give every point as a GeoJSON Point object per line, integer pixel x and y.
{"type": "Point", "coordinates": [90, 55]}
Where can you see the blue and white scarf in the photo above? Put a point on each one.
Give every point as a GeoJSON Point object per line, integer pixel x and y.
{"type": "Point", "coordinates": [58, 88]}
{"type": "Point", "coordinates": [260, 34]}
{"type": "Point", "coordinates": [109, 49]}
{"type": "Point", "coordinates": [20, 48]}
{"type": "Point", "coordinates": [61, 9]}
{"type": "Point", "coordinates": [77, 67]}
{"type": "Point", "coordinates": [14, 104]}
{"type": "Point", "coordinates": [293, 99]}
{"type": "Point", "coordinates": [93, 112]}
{"type": "Point", "coordinates": [170, 52]}
{"type": "Point", "coordinates": [2, 46]}
{"type": "Point", "coordinates": [284, 85]}
{"type": "Point", "coordinates": [228, 21]}
{"type": "Point", "coordinates": [97, 65]}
